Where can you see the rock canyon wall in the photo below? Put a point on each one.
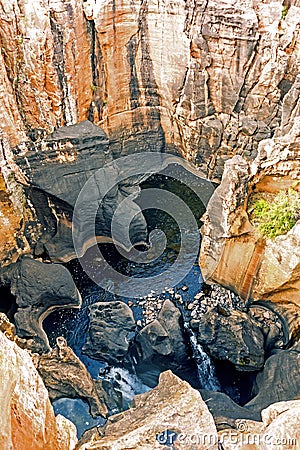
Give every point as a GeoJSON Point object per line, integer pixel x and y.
{"type": "Point", "coordinates": [84, 82]}
{"type": "Point", "coordinates": [205, 80]}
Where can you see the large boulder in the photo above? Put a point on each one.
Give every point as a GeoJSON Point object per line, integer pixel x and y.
{"type": "Point", "coordinates": [110, 331]}
{"type": "Point", "coordinates": [279, 379]}
{"type": "Point", "coordinates": [224, 410]}
{"type": "Point", "coordinates": [232, 336]}
{"type": "Point", "coordinates": [38, 288]}
{"type": "Point", "coordinates": [65, 375]}
{"type": "Point", "coordinates": [279, 430]}
{"type": "Point", "coordinates": [172, 412]}
{"type": "Point", "coordinates": [27, 419]}
{"type": "Point", "coordinates": [161, 345]}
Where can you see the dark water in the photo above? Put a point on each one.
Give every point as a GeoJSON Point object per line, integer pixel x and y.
{"type": "Point", "coordinates": [72, 324]}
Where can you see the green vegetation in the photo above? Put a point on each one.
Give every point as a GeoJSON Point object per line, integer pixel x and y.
{"type": "Point", "coordinates": [284, 12]}
{"type": "Point", "coordinates": [277, 215]}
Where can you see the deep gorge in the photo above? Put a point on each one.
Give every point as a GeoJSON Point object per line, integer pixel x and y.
{"type": "Point", "coordinates": [141, 145]}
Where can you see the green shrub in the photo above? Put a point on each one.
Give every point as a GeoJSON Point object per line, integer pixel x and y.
{"type": "Point", "coordinates": [284, 12]}
{"type": "Point", "coordinates": [276, 216]}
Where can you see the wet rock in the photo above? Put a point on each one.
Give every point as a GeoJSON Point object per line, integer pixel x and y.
{"type": "Point", "coordinates": [38, 288]}
{"type": "Point", "coordinates": [278, 381]}
{"type": "Point", "coordinates": [235, 338]}
{"type": "Point", "coordinates": [161, 345]}
{"type": "Point", "coordinates": [27, 417]}
{"type": "Point", "coordinates": [65, 375]}
{"type": "Point", "coordinates": [173, 405]}
{"type": "Point", "coordinates": [110, 331]}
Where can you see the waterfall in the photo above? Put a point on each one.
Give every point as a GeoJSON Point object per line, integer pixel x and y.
{"type": "Point", "coordinates": [206, 370]}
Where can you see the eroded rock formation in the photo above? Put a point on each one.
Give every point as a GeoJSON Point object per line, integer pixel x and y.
{"type": "Point", "coordinates": [27, 418]}
{"type": "Point", "coordinates": [65, 375]}
{"type": "Point", "coordinates": [161, 345]}
{"type": "Point", "coordinates": [208, 81]}
{"type": "Point", "coordinates": [110, 331]}
{"type": "Point", "coordinates": [38, 288]}
{"type": "Point", "coordinates": [233, 253]}
{"type": "Point", "coordinates": [233, 336]}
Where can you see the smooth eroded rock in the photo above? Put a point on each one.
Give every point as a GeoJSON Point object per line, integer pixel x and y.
{"type": "Point", "coordinates": [279, 379]}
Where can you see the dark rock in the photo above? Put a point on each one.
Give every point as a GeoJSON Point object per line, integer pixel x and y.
{"type": "Point", "coordinates": [65, 375]}
{"type": "Point", "coordinates": [71, 156]}
{"type": "Point", "coordinates": [224, 410]}
{"type": "Point", "coordinates": [282, 320]}
{"type": "Point", "coordinates": [111, 328]}
{"type": "Point", "coordinates": [279, 380]}
{"type": "Point", "coordinates": [161, 345]}
{"type": "Point", "coordinates": [38, 289]}
{"type": "Point", "coordinates": [235, 338]}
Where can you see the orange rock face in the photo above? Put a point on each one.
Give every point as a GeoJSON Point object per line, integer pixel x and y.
{"type": "Point", "coordinates": [46, 68]}
{"type": "Point", "coordinates": [27, 418]}
{"type": "Point", "coordinates": [9, 221]}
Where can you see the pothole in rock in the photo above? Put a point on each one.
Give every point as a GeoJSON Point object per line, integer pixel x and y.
{"type": "Point", "coordinates": [160, 339]}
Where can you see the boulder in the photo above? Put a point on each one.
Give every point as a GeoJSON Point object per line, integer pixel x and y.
{"type": "Point", "coordinates": [27, 418]}
{"type": "Point", "coordinates": [161, 345]}
{"type": "Point", "coordinates": [38, 288]}
{"type": "Point", "coordinates": [110, 331]}
{"type": "Point", "coordinates": [171, 413]}
{"type": "Point", "coordinates": [65, 375]}
{"type": "Point", "coordinates": [233, 337]}
{"type": "Point", "coordinates": [224, 410]}
{"type": "Point", "coordinates": [278, 381]}
{"type": "Point", "coordinates": [279, 430]}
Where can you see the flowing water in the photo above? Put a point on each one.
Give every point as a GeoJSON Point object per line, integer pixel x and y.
{"type": "Point", "coordinates": [72, 324]}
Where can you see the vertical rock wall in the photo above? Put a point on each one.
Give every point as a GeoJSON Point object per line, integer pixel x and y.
{"type": "Point", "coordinates": [208, 79]}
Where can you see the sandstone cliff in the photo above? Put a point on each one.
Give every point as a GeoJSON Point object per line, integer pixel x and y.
{"type": "Point", "coordinates": [208, 79]}
{"type": "Point", "coordinates": [233, 252]}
